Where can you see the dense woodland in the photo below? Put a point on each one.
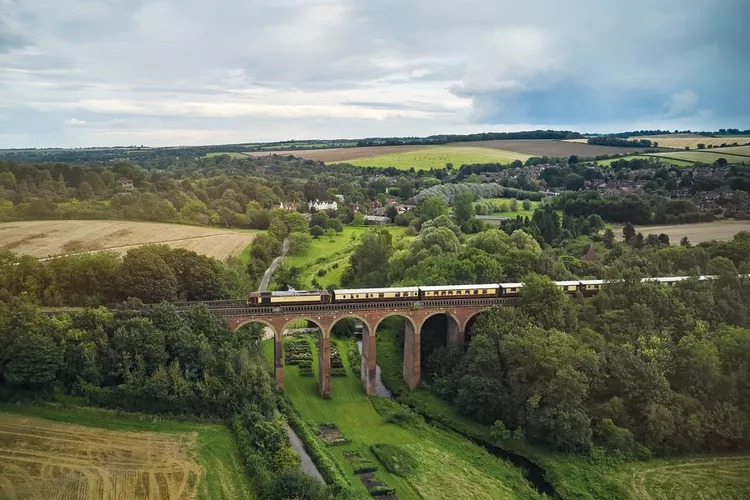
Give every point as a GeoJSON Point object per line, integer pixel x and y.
{"type": "Point", "coordinates": [639, 370]}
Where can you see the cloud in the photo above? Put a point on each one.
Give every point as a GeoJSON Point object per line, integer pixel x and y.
{"type": "Point", "coordinates": [280, 69]}
{"type": "Point", "coordinates": [74, 122]}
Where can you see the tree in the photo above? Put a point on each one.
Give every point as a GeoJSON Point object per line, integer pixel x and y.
{"type": "Point", "coordinates": [299, 243]}
{"type": "Point", "coordinates": [336, 224]}
{"type": "Point", "coordinates": [628, 232]}
{"type": "Point", "coordinates": [432, 207]}
{"type": "Point", "coordinates": [146, 276]}
{"type": "Point", "coordinates": [463, 208]}
{"type": "Point", "coordinates": [317, 231]}
{"type": "Point", "coordinates": [608, 238]}
{"type": "Point", "coordinates": [685, 242]}
{"type": "Point", "coordinates": [526, 204]}
{"type": "Point", "coordinates": [34, 359]}
{"type": "Point", "coordinates": [369, 264]}
{"type": "Point", "coordinates": [391, 212]}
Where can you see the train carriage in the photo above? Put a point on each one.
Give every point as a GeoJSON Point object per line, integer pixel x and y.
{"type": "Point", "coordinates": [459, 291]}
{"type": "Point", "coordinates": [376, 294]}
{"type": "Point", "coordinates": [292, 297]}
{"type": "Point", "coordinates": [510, 289]}
{"type": "Point", "coordinates": [568, 286]}
{"type": "Point", "coordinates": [589, 287]}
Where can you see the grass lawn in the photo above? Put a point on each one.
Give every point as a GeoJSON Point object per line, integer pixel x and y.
{"type": "Point", "coordinates": [448, 466]}
{"type": "Point", "coordinates": [438, 156]}
{"type": "Point", "coordinates": [224, 475]}
{"type": "Point", "coordinates": [510, 213]}
{"type": "Point", "coordinates": [577, 476]}
{"type": "Point", "coordinates": [333, 256]}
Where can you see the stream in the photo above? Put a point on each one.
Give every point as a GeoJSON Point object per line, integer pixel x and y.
{"type": "Point", "coordinates": [531, 471]}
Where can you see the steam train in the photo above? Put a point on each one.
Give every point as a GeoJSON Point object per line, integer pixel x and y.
{"type": "Point", "coordinates": [426, 293]}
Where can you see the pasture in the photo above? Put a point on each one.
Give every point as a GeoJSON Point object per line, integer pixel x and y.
{"type": "Point", "coordinates": [438, 156]}
{"type": "Point", "coordinates": [60, 237]}
{"type": "Point", "coordinates": [705, 156]}
{"type": "Point", "coordinates": [550, 147]}
{"type": "Point", "coordinates": [681, 141]}
{"type": "Point", "coordinates": [698, 232]}
{"type": "Point", "coordinates": [51, 453]}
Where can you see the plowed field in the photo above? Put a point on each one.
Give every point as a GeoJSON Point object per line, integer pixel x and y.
{"type": "Point", "coordinates": [46, 460]}
{"type": "Point", "coordinates": [49, 238]}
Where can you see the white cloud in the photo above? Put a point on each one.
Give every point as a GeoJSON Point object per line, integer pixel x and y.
{"type": "Point", "coordinates": [74, 122]}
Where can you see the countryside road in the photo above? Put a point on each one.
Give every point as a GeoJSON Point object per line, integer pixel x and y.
{"type": "Point", "coordinates": [272, 268]}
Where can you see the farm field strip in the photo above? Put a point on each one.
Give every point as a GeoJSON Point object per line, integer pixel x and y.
{"type": "Point", "coordinates": [41, 459]}
{"type": "Point", "coordinates": [680, 141]}
{"type": "Point", "coordinates": [702, 156]}
{"type": "Point", "coordinates": [45, 238]}
{"type": "Point", "coordinates": [698, 232]}
{"type": "Point", "coordinates": [438, 156]}
{"type": "Point", "coordinates": [551, 147]}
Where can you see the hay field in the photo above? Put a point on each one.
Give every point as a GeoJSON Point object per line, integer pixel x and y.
{"type": "Point", "coordinates": [680, 141]}
{"type": "Point", "coordinates": [340, 155]}
{"type": "Point", "coordinates": [705, 156]}
{"type": "Point", "coordinates": [40, 459]}
{"type": "Point", "coordinates": [437, 156]}
{"type": "Point", "coordinates": [49, 238]}
{"type": "Point", "coordinates": [705, 231]}
{"type": "Point", "coordinates": [707, 478]}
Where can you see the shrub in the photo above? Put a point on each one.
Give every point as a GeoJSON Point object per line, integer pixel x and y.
{"type": "Point", "coordinates": [382, 491]}
{"type": "Point", "coordinates": [338, 372]}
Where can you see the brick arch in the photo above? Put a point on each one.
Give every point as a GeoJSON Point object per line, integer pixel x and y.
{"type": "Point", "coordinates": [446, 312]}
{"type": "Point", "coordinates": [237, 324]}
{"type": "Point", "coordinates": [404, 315]}
{"type": "Point", "coordinates": [361, 318]}
{"type": "Point", "coordinates": [471, 317]}
{"type": "Point", "coordinates": [318, 323]}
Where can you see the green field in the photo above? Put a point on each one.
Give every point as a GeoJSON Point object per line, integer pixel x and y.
{"type": "Point", "coordinates": [223, 476]}
{"type": "Point", "coordinates": [232, 155]}
{"type": "Point", "coordinates": [705, 156]}
{"type": "Point", "coordinates": [333, 256]}
{"type": "Point", "coordinates": [438, 156]}
{"type": "Point", "coordinates": [577, 476]}
{"type": "Point", "coordinates": [448, 466]}
{"type": "Point", "coordinates": [510, 213]}
{"type": "Point", "coordinates": [676, 163]}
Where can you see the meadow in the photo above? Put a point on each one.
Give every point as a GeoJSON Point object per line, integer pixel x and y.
{"type": "Point", "coordinates": [511, 213]}
{"type": "Point", "coordinates": [705, 156]}
{"type": "Point", "coordinates": [672, 161]}
{"type": "Point", "coordinates": [446, 466]}
{"type": "Point", "coordinates": [438, 156]}
{"type": "Point", "coordinates": [61, 237]}
{"type": "Point", "coordinates": [81, 453]}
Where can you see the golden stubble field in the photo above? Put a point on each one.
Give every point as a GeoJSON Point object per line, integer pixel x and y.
{"type": "Point", "coordinates": [46, 460]}
{"type": "Point", "coordinates": [50, 238]}
{"type": "Point", "coordinates": [696, 233]}
{"type": "Point", "coordinates": [680, 141]}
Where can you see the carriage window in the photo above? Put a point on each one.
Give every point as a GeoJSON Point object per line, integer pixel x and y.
{"type": "Point", "coordinates": [381, 295]}
{"type": "Point", "coordinates": [397, 294]}
{"type": "Point", "coordinates": [442, 293]}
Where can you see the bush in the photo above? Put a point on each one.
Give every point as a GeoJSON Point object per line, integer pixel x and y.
{"type": "Point", "coordinates": [294, 484]}
{"type": "Point", "coordinates": [338, 372]}
{"type": "Point", "coordinates": [394, 459]}
{"type": "Point", "coordinates": [382, 491]}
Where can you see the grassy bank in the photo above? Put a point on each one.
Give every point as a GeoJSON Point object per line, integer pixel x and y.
{"type": "Point", "coordinates": [446, 466]}
{"type": "Point", "coordinates": [326, 259]}
{"type": "Point", "coordinates": [223, 474]}
{"type": "Point", "coordinates": [575, 476]}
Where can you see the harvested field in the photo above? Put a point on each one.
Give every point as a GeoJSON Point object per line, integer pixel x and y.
{"type": "Point", "coordinates": [49, 460]}
{"type": "Point", "coordinates": [548, 147]}
{"type": "Point", "coordinates": [46, 238]}
{"type": "Point", "coordinates": [680, 141]}
{"type": "Point", "coordinates": [706, 231]}
{"type": "Point", "coordinates": [342, 154]}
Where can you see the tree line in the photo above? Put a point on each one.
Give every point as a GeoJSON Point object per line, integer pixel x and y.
{"type": "Point", "coordinates": [151, 273]}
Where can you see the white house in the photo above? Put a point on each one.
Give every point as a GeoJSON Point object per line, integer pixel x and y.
{"type": "Point", "coordinates": [322, 205]}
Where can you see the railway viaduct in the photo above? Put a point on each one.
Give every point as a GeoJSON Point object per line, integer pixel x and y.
{"type": "Point", "coordinates": [458, 311]}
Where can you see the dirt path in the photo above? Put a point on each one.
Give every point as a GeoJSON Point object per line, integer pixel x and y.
{"type": "Point", "coordinates": [272, 268]}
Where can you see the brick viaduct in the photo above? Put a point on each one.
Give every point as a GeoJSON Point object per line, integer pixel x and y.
{"type": "Point", "coordinates": [459, 313]}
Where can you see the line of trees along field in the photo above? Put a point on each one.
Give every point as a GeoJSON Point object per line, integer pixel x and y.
{"type": "Point", "coordinates": [151, 273]}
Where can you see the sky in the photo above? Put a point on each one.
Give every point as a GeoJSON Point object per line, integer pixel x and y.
{"type": "Point", "coordinates": [76, 73]}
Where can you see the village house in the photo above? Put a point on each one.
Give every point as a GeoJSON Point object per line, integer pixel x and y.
{"type": "Point", "coordinates": [127, 184]}
{"type": "Point", "coordinates": [318, 205]}
{"type": "Point", "coordinates": [288, 205]}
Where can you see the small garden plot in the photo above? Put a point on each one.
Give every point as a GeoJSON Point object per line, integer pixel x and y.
{"type": "Point", "coordinates": [330, 434]}
{"type": "Point", "coordinates": [297, 350]}
{"type": "Point", "coordinates": [360, 463]}
{"type": "Point", "coordinates": [337, 366]}
{"type": "Point", "coordinates": [376, 488]}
